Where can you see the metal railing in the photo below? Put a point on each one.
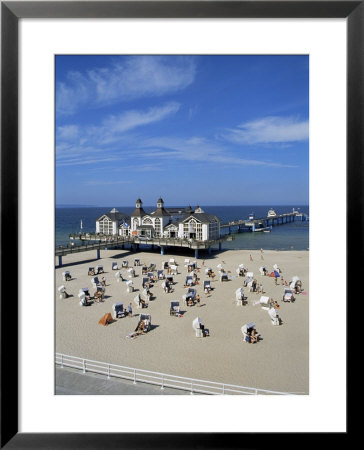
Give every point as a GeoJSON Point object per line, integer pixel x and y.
{"type": "Point", "coordinates": [163, 380]}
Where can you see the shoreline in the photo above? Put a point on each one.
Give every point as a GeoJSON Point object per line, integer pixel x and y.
{"type": "Point", "coordinates": [279, 362]}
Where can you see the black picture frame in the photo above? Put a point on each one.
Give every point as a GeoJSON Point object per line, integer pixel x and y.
{"type": "Point", "coordinates": [11, 12]}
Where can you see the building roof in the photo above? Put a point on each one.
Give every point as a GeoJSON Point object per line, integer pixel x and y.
{"type": "Point", "coordinates": [139, 212]}
{"type": "Point", "coordinates": [115, 216]}
{"type": "Point", "coordinates": [161, 212]}
{"type": "Point", "coordinates": [202, 217]}
{"type": "Point", "coordinates": [172, 224]}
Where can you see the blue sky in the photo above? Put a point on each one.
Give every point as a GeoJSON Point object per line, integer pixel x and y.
{"type": "Point", "coordinates": [208, 130]}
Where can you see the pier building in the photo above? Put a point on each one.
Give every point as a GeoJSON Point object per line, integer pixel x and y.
{"type": "Point", "coordinates": [177, 223]}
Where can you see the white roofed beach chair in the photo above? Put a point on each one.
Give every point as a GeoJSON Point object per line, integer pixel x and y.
{"type": "Point", "coordinates": [174, 309]}
{"type": "Point", "coordinates": [261, 270]}
{"type": "Point", "coordinates": [196, 325]}
{"type": "Point", "coordinates": [114, 266]}
{"type": "Point", "coordinates": [249, 278]}
{"type": "Point", "coordinates": [125, 264]}
{"type": "Point", "coordinates": [145, 281]}
{"type": "Point", "coordinates": [245, 329]}
{"type": "Point", "coordinates": [136, 262]}
{"type": "Point", "coordinates": [206, 284]}
{"type": "Point", "coordinates": [170, 279]}
{"type": "Point", "coordinates": [239, 297]}
{"type": "Point", "coordinates": [273, 314]}
{"type": "Point", "coordinates": [224, 276]}
{"type": "Point", "coordinates": [99, 269]}
{"type": "Point", "coordinates": [275, 267]}
{"type": "Point", "coordinates": [129, 286]}
{"type": "Point", "coordinates": [288, 295]}
{"type": "Point", "coordinates": [62, 292]}
{"type": "Point", "coordinates": [240, 270]}
{"type": "Point", "coordinates": [118, 310]}
{"type": "Point", "coordinates": [66, 276]}
{"type": "Point", "coordinates": [118, 277]}
{"type": "Point", "coordinates": [95, 281]}
{"type": "Point", "coordinates": [137, 301]}
{"type": "Point", "coordinates": [160, 274]}
{"type": "Point", "coordinates": [189, 281]}
{"type": "Point", "coordinates": [264, 300]}
{"type": "Point", "coordinates": [147, 318]}
{"type": "Point", "coordinates": [131, 272]}
{"type": "Point", "coordinates": [174, 269]}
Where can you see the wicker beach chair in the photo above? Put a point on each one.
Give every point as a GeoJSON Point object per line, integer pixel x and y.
{"type": "Point", "coordinates": [174, 308]}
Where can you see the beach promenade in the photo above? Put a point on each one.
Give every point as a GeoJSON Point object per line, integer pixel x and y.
{"type": "Point", "coordinates": [279, 362]}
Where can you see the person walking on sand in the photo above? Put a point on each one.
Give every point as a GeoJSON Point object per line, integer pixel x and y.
{"type": "Point", "coordinates": [250, 257]}
{"type": "Point", "coordinates": [130, 310]}
{"type": "Point", "coordinates": [198, 300]}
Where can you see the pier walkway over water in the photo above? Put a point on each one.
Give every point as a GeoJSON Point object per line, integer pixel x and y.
{"type": "Point", "coordinates": [264, 223]}
{"type": "Point", "coordinates": [98, 242]}
{"type": "Point", "coordinates": [88, 243]}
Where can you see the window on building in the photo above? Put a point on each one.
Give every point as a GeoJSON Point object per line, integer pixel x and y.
{"type": "Point", "coordinates": [157, 227]}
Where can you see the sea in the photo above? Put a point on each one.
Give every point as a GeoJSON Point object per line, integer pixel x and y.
{"type": "Point", "coordinates": [290, 236]}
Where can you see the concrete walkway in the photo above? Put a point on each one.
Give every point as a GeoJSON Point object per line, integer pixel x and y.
{"type": "Point", "coordinates": [74, 382]}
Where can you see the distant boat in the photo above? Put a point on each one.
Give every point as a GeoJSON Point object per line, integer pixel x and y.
{"type": "Point", "coordinates": [271, 213]}
{"type": "Point", "coordinates": [251, 216]}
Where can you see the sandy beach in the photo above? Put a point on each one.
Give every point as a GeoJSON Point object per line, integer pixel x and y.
{"type": "Point", "coordinates": [279, 362]}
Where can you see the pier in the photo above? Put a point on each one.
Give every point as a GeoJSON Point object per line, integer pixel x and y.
{"type": "Point", "coordinates": [264, 223]}
{"type": "Point", "coordinates": [113, 242]}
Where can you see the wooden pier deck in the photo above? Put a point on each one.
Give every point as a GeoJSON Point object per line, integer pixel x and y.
{"type": "Point", "coordinates": [107, 242]}
{"type": "Point", "coordinates": [264, 222]}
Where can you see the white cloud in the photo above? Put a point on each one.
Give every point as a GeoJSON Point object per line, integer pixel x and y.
{"type": "Point", "coordinates": [132, 119]}
{"type": "Point", "coordinates": [76, 146]}
{"type": "Point", "coordinates": [269, 130]}
{"type": "Point", "coordinates": [68, 132]}
{"type": "Point", "coordinates": [135, 77]}
{"type": "Point", "coordinates": [198, 149]}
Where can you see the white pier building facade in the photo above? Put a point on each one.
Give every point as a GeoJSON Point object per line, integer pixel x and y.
{"type": "Point", "coordinates": [182, 223]}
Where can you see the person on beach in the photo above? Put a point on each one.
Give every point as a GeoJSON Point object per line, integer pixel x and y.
{"type": "Point", "coordinates": [103, 281]}
{"type": "Point", "coordinates": [254, 285]}
{"type": "Point", "coordinates": [250, 257]}
{"type": "Point", "coordinates": [140, 326]}
{"type": "Point", "coordinates": [98, 296]}
{"type": "Point", "coordinates": [198, 300]}
{"type": "Point", "coordinates": [167, 287]}
{"type": "Point", "coordinates": [254, 336]}
{"type": "Point", "coordinates": [275, 304]}
{"type": "Point", "coordinates": [275, 281]}
{"type": "Point", "coordinates": [130, 310]}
